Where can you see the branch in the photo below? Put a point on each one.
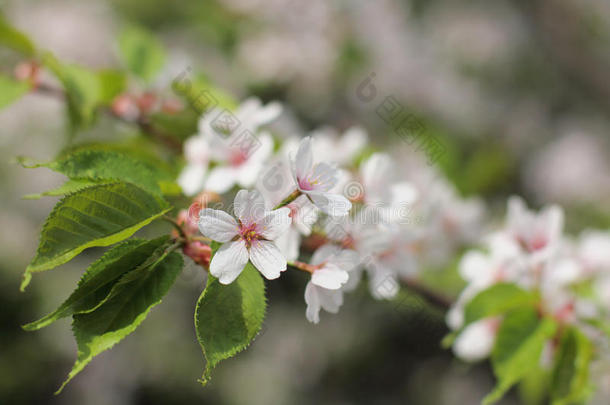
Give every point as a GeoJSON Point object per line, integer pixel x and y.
{"type": "Point", "coordinates": [431, 296]}
{"type": "Point", "coordinates": [142, 122]}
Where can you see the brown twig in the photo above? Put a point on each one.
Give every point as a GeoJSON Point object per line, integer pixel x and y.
{"type": "Point", "coordinates": [142, 122]}
{"type": "Point", "coordinates": [431, 296]}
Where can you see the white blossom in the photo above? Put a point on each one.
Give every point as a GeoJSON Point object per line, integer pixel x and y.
{"type": "Point", "coordinates": [251, 237]}
{"type": "Point", "coordinates": [324, 291]}
{"type": "Point", "coordinates": [316, 181]}
{"type": "Point", "coordinates": [234, 144]}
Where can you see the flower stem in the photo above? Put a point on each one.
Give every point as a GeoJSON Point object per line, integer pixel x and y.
{"type": "Point", "coordinates": [291, 197]}
{"type": "Point", "coordinates": [308, 268]}
{"type": "Point", "coordinates": [176, 225]}
{"type": "Point", "coordinates": [432, 297]}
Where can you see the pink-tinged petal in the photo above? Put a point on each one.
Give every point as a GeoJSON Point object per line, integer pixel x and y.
{"type": "Point", "coordinates": [267, 258]}
{"type": "Point", "coordinates": [221, 179]}
{"type": "Point", "coordinates": [217, 225]}
{"type": "Point", "coordinates": [274, 223]}
{"type": "Point", "coordinates": [330, 277]}
{"type": "Point", "coordinates": [249, 207]}
{"type": "Point", "coordinates": [323, 177]}
{"type": "Point", "coordinates": [312, 299]}
{"type": "Point", "coordinates": [191, 179]}
{"type": "Point", "coordinates": [303, 161]}
{"type": "Point", "coordinates": [229, 261]}
{"type": "Point", "coordinates": [332, 204]}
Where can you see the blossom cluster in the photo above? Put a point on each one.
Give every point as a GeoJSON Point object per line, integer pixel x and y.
{"type": "Point", "coordinates": [322, 204]}
{"type": "Point", "coordinates": [572, 276]}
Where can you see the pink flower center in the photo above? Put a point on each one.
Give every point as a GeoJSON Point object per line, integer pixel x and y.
{"type": "Point", "coordinates": [306, 184]}
{"type": "Point", "coordinates": [237, 158]}
{"type": "Point", "coordinates": [538, 242]}
{"type": "Point", "coordinates": [249, 234]}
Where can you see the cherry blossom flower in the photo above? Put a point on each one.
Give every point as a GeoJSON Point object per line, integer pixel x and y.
{"type": "Point", "coordinates": [341, 149]}
{"type": "Point", "coordinates": [476, 340]}
{"type": "Point", "coordinates": [316, 181]}
{"type": "Point", "coordinates": [232, 141]}
{"type": "Point", "coordinates": [197, 155]}
{"type": "Point", "coordinates": [537, 234]}
{"type": "Point", "coordinates": [303, 215]}
{"type": "Point", "coordinates": [250, 115]}
{"type": "Point", "coordinates": [323, 291]}
{"type": "Point", "coordinates": [396, 260]}
{"type": "Point", "coordinates": [251, 237]}
{"type": "Point", "coordinates": [239, 163]}
{"type": "Point", "coordinates": [532, 253]}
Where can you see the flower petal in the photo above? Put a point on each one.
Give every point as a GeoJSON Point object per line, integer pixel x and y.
{"type": "Point", "coordinates": [330, 300]}
{"type": "Point", "coordinates": [274, 223]}
{"type": "Point", "coordinates": [330, 277]}
{"type": "Point", "coordinates": [476, 341]}
{"type": "Point", "coordinates": [324, 176]}
{"type": "Point", "coordinates": [289, 243]}
{"type": "Point", "coordinates": [191, 178]}
{"type": "Point", "coordinates": [323, 253]}
{"type": "Point", "coordinates": [266, 114]}
{"type": "Point", "coordinates": [217, 225]}
{"type": "Point", "coordinates": [303, 161]}
{"type": "Point", "coordinates": [229, 261]}
{"type": "Point", "coordinates": [249, 206]}
{"type": "Point", "coordinates": [221, 179]}
{"type": "Point", "coordinates": [196, 150]}
{"type": "Point", "coordinates": [332, 204]}
{"type": "Point", "coordinates": [312, 299]}
{"type": "Point", "coordinates": [267, 258]}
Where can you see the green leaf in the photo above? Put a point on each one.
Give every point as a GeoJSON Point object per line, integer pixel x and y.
{"type": "Point", "coordinates": [497, 300]}
{"type": "Point", "coordinates": [126, 306]}
{"type": "Point", "coordinates": [138, 148]}
{"type": "Point", "coordinates": [97, 282]}
{"type": "Point", "coordinates": [228, 317]}
{"type": "Point", "coordinates": [69, 187]}
{"type": "Point", "coordinates": [570, 381]}
{"type": "Point", "coordinates": [534, 387]}
{"type": "Point", "coordinates": [95, 216]}
{"type": "Point", "coordinates": [100, 165]}
{"type": "Point", "coordinates": [517, 350]}
{"type": "Point", "coordinates": [15, 39]}
{"type": "Point", "coordinates": [142, 52]}
{"type": "Point", "coordinates": [200, 94]}
{"type": "Point", "coordinates": [83, 90]}
{"type": "Point", "coordinates": [112, 83]}
{"type": "Point", "coordinates": [11, 90]}
{"type": "Point", "coordinates": [181, 124]}
{"type": "Point", "coordinates": [449, 339]}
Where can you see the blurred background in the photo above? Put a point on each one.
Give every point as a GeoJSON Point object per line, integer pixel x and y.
{"type": "Point", "coordinates": [517, 91]}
